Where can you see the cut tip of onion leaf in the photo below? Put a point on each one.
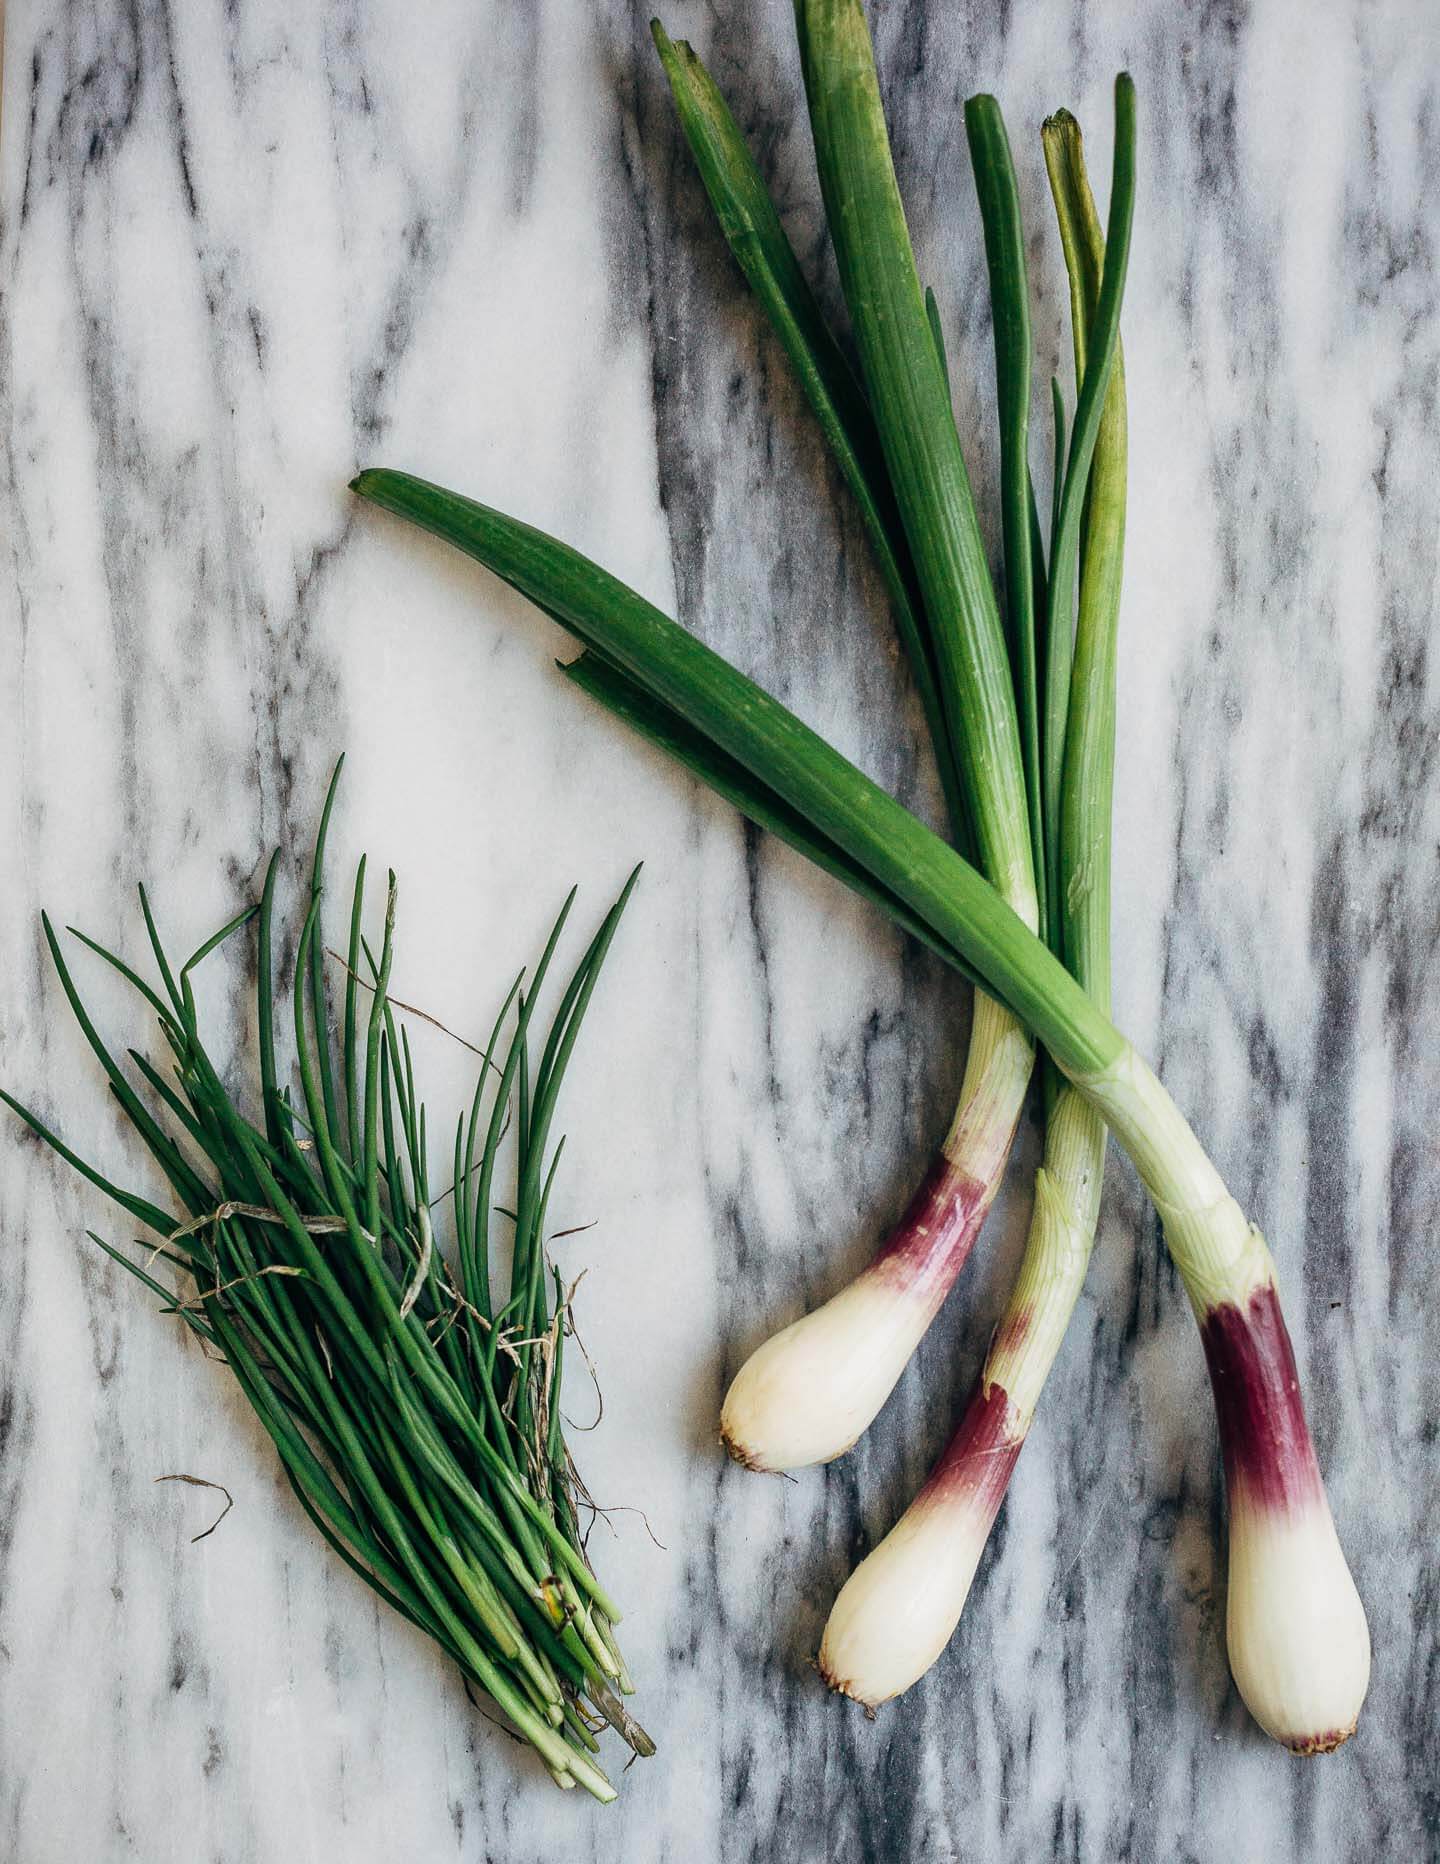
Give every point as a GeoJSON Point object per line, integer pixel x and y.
{"type": "Point", "coordinates": [416, 1421]}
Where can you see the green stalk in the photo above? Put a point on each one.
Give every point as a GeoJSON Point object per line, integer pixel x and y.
{"type": "Point", "coordinates": [1010, 312]}
{"type": "Point", "coordinates": [1100, 335]}
{"type": "Point", "coordinates": [1213, 1245]}
{"type": "Point", "coordinates": [906, 383]}
{"type": "Point", "coordinates": [1088, 783]}
{"type": "Point", "coordinates": [628, 700]}
{"type": "Point", "coordinates": [1087, 791]}
{"type": "Point", "coordinates": [904, 859]}
{"type": "Point", "coordinates": [752, 229]}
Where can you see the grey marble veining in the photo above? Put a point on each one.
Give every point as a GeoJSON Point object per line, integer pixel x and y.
{"type": "Point", "coordinates": [246, 246]}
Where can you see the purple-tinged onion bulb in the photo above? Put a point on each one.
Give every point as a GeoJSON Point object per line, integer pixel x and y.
{"type": "Point", "coordinates": [1298, 1641]}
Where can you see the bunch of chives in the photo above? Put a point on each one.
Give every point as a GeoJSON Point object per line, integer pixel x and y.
{"type": "Point", "coordinates": [415, 1407]}
{"type": "Point", "coordinates": [809, 1391]}
{"type": "Point", "coordinates": [1299, 1644]}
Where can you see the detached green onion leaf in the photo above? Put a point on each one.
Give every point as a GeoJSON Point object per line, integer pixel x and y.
{"type": "Point", "coordinates": [907, 860]}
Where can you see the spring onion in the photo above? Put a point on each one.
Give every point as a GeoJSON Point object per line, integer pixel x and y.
{"type": "Point", "coordinates": [414, 1406]}
{"type": "Point", "coordinates": [809, 1391]}
{"type": "Point", "coordinates": [900, 1607]}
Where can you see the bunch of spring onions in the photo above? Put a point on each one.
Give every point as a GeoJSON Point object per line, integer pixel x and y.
{"type": "Point", "coordinates": [1022, 717]}
{"type": "Point", "coordinates": [413, 1402]}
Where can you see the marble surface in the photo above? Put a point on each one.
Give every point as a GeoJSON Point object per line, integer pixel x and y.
{"type": "Point", "coordinates": [245, 246]}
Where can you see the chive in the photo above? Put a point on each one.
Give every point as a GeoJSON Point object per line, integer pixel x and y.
{"type": "Point", "coordinates": [475, 1250]}
{"type": "Point", "coordinates": [374, 1031]}
{"type": "Point", "coordinates": [322, 1292]}
{"type": "Point", "coordinates": [317, 958]}
{"type": "Point", "coordinates": [265, 1005]}
{"type": "Point", "coordinates": [348, 1026]}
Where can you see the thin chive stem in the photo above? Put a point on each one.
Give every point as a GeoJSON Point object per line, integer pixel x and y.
{"type": "Point", "coordinates": [352, 986]}
{"type": "Point", "coordinates": [374, 1031]}
{"type": "Point", "coordinates": [318, 990]}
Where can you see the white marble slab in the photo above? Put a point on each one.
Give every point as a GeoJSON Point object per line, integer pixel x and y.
{"type": "Point", "coordinates": [245, 246]}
